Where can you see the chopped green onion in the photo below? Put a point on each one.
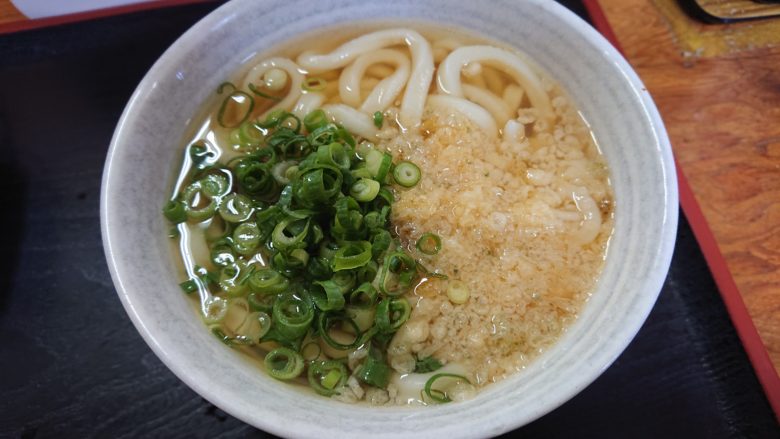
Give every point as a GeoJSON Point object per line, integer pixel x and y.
{"type": "Point", "coordinates": [364, 318]}
{"type": "Point", "coordinates": [328, 249]}
{"type": "Point", "coordinates": [367, 273]}
{"type": "Point", "coordinates": [384, 199]}
{"type": "Point", "coordinates": [318, 268]}
{"type": "Point", "coordinates": [374, 371]}
{"type": "Point", "coordinates": [224, 85]}
{"type": "Point", "coordinates": [364, 190]}
{"type": "Point", "coordinates": [268, 281]}
{"type": "Point", "coordinates": [299, 255]}
{"type": "Point", "coordinates": [378, 164]}
{"type": "Point", "coordinates": [327, 376]}
{"type": "Point", "coordinates": [315, 120]}
{"type": "Point", "coordinates": [254, 178]}
{"type": "Point", "coordinates": [380, 241]}
{"type": "Point", "coordinates": [363, 296]}
{"type": "Point", "coordinates": [334, 154]}
{"type": "Point", "coordinates": [292, 316]}
{"type": "Point", "coordinates": [215, 309]}
{"type": "Point", "coordinates": [222, 253]}
{"type": "Point", "coordinates": [391, 314]}
{"type": "Point", "coordinates": [437, 395]}
{"type": "Point", "coordinates": [429, 243]}
{"type": "Point", "coordinates": [398, 273]}
{"type": "Point", "coordinates": [458, 292]}
{"type": "Point", "coordinates": [297, 223]}
{"type": "Point", "coordinates": [189, 286]}
{"type": "Point", "coordinates": [256, 91]}
{"type": "Point", "coordinates": [255, 326]}
{"type": "Point", "coordinates": [214, 185]}
{"type": "Point", "coordinates": [327, 296]}
{"type": "Point", "coordinates": [237, 98]}
{"type": "Point", "coordinates": [317, 185]}
{"type": "Point", "coordinates": [202, 155]}
{"type": "Point", "coordinates": [246, 238]}
{"type": "Point", "coordinates": [352, 255]}
{"type": "Point", "coordinates": [345, 280]}
{"type": "Point", "coordinates": [198, 205]}
{"type": "Point", "coordinates": [407, 174]}
{"type": "Point", "coordinates": [314, 84]}
{"type": "Point", "coordinates": [175, 211]}
{"type": "Point", "coordinates": [427, 365]}
{"type": "Point", "coordinates": [311, 351]}
{"type": "Point", "coordinates": [290, 233]}
{"type": "Point", "coordinates": [233, 278]}
{"type": "Point", "coordinates": [431, 274]}
{"type": "Point", "coordinates": [236, 208]}
{"type": "Point", "coordinates": [261, 302]}
{"type": "Point", "coordinates": [327, 320]}
{"type": "Point", "coordinates": [273, 119]}
{"type": "Point", "coordinates": [228, 340]}
{"type": "Point", "coordinates": [280, 171]}
{"type": "Point", "coordinates": [284, 363]}
{"type": "Point", "coordinates": [248, 134]}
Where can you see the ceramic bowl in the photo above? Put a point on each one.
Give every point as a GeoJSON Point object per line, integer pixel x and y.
{"type": "Point", "coordinates": [146, 148]}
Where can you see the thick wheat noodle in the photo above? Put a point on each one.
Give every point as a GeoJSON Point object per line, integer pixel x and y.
{"type": "Point", "coordinates": [513, 96]}
{"type": "Point", "coordinates": [490, 102]}
{"type": "Point", "coordinates": [474, 112]}
{"type": "Point", "coordinates": [513, 130]}
{"type": "Point", "coordinates": [307, 103]}
{"type": "Point", "coordinates": [590, 215]}
{"type": "Point", "coordinates": [368, 84]}
{"type": "Point", "coordinates": [353, 120]}
{"type": "Point", "coordinates": [448, 77]}
{"type": "Point", "coordinates": [255, 77]}
{"type": "Point", "coordinates": [385, 92]}
{"type": "Point", "coordinates": [477, 81]}
{"type": "Point", "coordinates": [379, 71]}
{"type": "Point", "coordinates": [442, 48]}
{"type": "Point", "coordinates": [416, 92]}
{"type": "Point", "coordinates": [494, 81]}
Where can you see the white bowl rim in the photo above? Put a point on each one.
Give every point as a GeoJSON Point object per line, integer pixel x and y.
{"type": "Point", "coordinates": [662, 258]}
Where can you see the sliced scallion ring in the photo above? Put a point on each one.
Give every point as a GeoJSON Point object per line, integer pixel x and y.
{"type": "Point", "coordinates": [429, 243]}
{"type": "Point", "coordinates": [364, 190]}
{"type": "Point", "coordinates": [407, 174]}
{"type": "Point", "coordinates": [314, 84]}
{"type": "Point", "coordinates": [438, 395]}
{"type": "Point", "coordinates": [325, 377]}
{"type": "Point", "coordinates": [284, 363]}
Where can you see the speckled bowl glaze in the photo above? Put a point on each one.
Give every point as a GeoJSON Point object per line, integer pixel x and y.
{"type": "Point", "coordinates": [146, 149]}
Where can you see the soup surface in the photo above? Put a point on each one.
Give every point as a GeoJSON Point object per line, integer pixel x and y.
{"type": "Point", "coordinates": [501, 205]}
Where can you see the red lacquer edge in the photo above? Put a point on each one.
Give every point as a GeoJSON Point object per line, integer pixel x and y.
{"type": "Point", "coordinates": [756, 351]}
{"type": "Point", "coordinates": [22, 25]}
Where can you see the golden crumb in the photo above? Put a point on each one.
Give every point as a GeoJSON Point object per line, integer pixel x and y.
{"type": "Point", "coordinates": [511, 219]}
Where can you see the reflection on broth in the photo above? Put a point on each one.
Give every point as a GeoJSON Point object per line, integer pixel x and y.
{"type": "Point", "coordinates": [399, 216]}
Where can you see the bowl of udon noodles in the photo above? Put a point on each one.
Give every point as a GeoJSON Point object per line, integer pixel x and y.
{"type": "Point", "coordinates": [379, 219]}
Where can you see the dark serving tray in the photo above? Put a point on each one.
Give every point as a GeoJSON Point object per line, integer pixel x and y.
{"type": "Point", "coordinates": [72, 365]}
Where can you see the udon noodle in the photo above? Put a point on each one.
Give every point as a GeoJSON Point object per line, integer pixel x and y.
{"type": "Point", "coordinates": [511, 182]}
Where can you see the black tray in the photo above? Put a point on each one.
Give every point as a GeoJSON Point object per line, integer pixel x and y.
{"type": "Point", "coordinates": [72, 364]}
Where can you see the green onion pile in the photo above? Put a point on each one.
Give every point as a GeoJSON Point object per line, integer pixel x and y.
{"type": "Point", "coordinates": [300, 246]}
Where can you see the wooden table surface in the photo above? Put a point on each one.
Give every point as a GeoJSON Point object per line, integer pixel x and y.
{"type": "Point", "coordinates": [717, 87]}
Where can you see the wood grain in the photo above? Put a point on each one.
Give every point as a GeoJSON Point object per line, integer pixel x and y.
{"type": "Point", "coordinates": [738, 9]}
{"type": "Point", "coordinates": [723, 116]}
{"type": "Point", "coordinates": [698, 39]}
{"type": "Point", "coordinates": [9, 13]}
